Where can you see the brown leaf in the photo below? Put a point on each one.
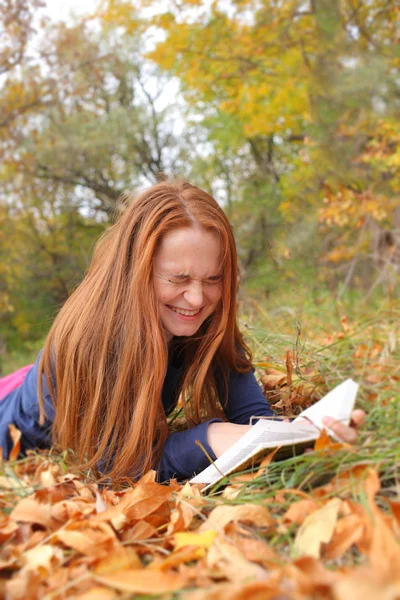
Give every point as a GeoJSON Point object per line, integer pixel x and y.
{"type": "Point", "coordinates": [23, 587]}
{"type": "Point", "coordinates": [15, 435]}
{"type": "Point", "coordinates": [7, 529]}
{"type": "Point", "coordinates": [324, 444]}
{"type": "Point", "coordinates": [138, 503]}
{"type": "Point", "coordinates": [384, 553]}
{"type": "Point", "coordinates": [30, 510]}
{"type": "Point", "coordinates": [317, 529]}
{"type": "Point", "coordinates": [258, 590]}
{"type": "Point", "coordinates": [181, 518]}
{"type": "Point", "coordinates": [140, 531]}
{"type": "Point", "coordinates": [72, 509]}
{"type": "Point", "coordinates": [229, 561]}
{"type": "Point", "coordinates": [253, 549]}
{"type": "Point", "coordinates": [289, 367]}
{"type": "Point", "coordinates": [220, 516]}
{"type": "Point", "coordinates": [98, 593]}
{"type": "Point", "coordinates": [95, 540]}
{"type": "Point", "coordinates": [272, 378]}
{"type": "Point", "coordinates": [143, 581]}
{"type": "Point", "coordinates": [178, 557]}
{"type": "Point", "coordinates": [123, 559]}
{"type": "Point", "coordinates": [395, 506]}
{"type": "Point", "coordinates": [364, 584]}
{"type": "Point", "coordinates": [347, 532]}
{"type": "Point", "coordinates": [44, 557]}
{"type": "Point", "coordinates": [298, 511]}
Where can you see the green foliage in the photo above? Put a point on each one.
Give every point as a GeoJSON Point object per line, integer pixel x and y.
{"type": "Point", "coordinates": [286, 112]}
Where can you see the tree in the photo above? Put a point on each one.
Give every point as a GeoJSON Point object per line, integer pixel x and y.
{"type": "Point", "coordinates": [311, 86]}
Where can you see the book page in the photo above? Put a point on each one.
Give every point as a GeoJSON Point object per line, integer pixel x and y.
{"type": "Point", "coordinates": [338, 403]}
{"type": "Point", "coordinates": [264, 434]}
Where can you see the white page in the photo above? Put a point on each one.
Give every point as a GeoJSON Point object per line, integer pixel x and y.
{"type": "Point", "coordinates": [338, 403]}
{"type": "Point", "coordinates": [264, 434]}
{"type": "Point", "coordinates": [267, 433]}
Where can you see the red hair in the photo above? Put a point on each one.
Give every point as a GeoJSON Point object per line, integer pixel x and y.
{"type": "Point", "coordinates": [107, 353]}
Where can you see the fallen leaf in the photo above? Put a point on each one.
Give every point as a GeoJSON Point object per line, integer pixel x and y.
{"type": "Point", "coordinates": [205, 539]}
{"type": "Point", "coordinates": [298, 511]}
{"type": "Point", "coordinates": [140, 531]}
{"type": "Point", "coordinates": [228, 561]}
{"type": "Point", "coordinates": [143, 581]}
{"type": "Point", "coordinates": [324, 443]}
{"type": "Point", "coordinates": [178, 557]}
{"type": "Point", "coordinates": [101, 506]}
{"type": "Point", "coordinates": [45, 556]}
{"type": "Point", "coordinates": [317, 529]}
{"type": "Point", "coordinates": [348, 531]}
{"type": "Point", "coordinates": [256, 590]}
{"type": "Point", "coordinates": [364, 584]}
{"type": "Point", "coordinates": [98, 593]}
{"type": "Point", "coordinates": [29, 510]}
{"type": "Point", "coordinates": [181, 518]}
{"type": "Point", "coordinates": [123, 559]}
{"type": "Point", "coordinates": [7, 529]}
{"type": "Point", "coordinates": [94, 540]}
{"type": "Point", "coordinates": [15, 435]}
{"type": "Point", "coordinates": [220, 516]}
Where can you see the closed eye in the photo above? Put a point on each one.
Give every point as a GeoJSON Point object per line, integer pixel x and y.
{"type": "Point", "coordinates": [178, 279]}
{"type": "Point", "coordinates": [213, 280]}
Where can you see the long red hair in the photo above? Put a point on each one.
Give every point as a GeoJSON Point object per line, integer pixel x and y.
{"type": "Point", "coordinates": [105, 357]}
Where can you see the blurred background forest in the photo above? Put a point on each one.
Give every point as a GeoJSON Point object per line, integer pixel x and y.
{"type": "Point", "coordinates": [287, 111]}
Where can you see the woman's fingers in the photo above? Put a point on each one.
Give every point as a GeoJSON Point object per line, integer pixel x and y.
{"type": "Point", "coordinates": [357, 418]}
{"type": "Point", "coordinates": [344, 432]}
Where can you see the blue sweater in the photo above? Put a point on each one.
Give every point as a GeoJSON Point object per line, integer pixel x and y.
{"type": "Point", "coordinates": [181, 456]}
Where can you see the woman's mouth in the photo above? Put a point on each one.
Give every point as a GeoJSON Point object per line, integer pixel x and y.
{"type": "Point", "coordinates": [189, 314]}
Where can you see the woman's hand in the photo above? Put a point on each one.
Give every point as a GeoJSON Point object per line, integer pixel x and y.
{"type": "Point", "coordinates": [221, 436]}
{"type": "Point", "coordinates": [347, 433]}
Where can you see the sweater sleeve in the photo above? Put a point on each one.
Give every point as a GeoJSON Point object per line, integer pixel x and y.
{"type": "Point", "coordinates": [245, 399]}
{"type": "Point", "coordinates": [21, 408]}
{"type": "Point", "coordinates": [182, 457]}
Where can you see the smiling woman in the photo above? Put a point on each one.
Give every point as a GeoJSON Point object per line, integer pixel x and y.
{"type": "Point", "coordinates": [154, 318]}
{"type": "Point", "coordinates": [187, 279]}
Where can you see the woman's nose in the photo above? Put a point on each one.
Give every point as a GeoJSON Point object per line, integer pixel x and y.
{"type": "Point", "coordinates": [194, 294]}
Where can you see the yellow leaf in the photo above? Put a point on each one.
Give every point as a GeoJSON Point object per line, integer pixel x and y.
{"type": "Point", "coordinates": [317, 529]}
{"type": "Point", "coordinates": [187, 538]}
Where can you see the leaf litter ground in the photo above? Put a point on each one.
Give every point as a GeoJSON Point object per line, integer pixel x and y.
{"type": "Point", "coordinates": [325, 525]}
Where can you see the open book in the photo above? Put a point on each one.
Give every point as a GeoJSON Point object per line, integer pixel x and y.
{"type": "Point", "coordinates": [292, 437]}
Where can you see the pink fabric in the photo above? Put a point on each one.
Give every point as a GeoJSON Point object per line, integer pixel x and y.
{"type": "Point", "coordinates": [10, 382]}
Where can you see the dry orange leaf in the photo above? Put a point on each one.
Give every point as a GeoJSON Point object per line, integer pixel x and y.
{"type": "Point", "coordinates": [348, 531]}
{"type": "Point", "coordinates": [97, 593]}
{"type": "Point", "coordinates": [30, 510]}
{"type": "Point", "coordinates": [95, 540]}
{"type": "Point", "coordinates": [15, 435]}
{"type": "Point", "coordinates": [227, 560]}
{"type": "Point", "coordinates": [298, 511]}
{"type": "Point", "coordinates": [324, 443]}
{"type": "Point", "coordinates": [317, 529]}
{"type": "Point", "coordinates": [220, 516]}
{"type": "Point", "coordinates": [181, 518]}
{"type": "Point", "coordinates": [143, 581]}
{"type": "Point", "coordinates": [122, 559]}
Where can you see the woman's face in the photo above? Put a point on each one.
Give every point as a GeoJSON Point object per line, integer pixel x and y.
{"type": "Point", "coordinates": [187, 279]}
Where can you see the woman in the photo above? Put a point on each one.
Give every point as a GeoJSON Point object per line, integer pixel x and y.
{"type": "Point", "coordinates": [154, 318]}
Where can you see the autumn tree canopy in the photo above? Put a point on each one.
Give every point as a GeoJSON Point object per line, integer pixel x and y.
{"type": "Point", "coordinates": [286, 111]}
